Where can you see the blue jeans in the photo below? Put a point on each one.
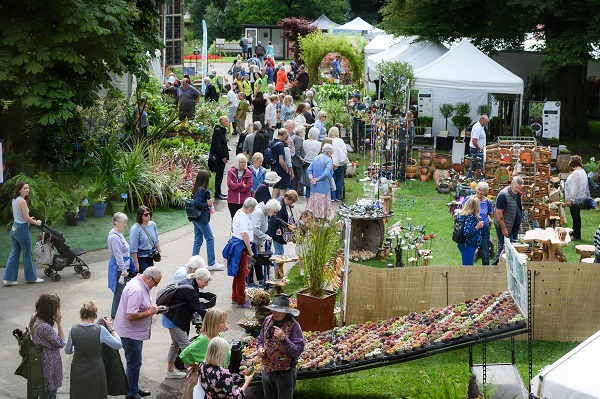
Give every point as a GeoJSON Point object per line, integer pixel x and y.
{"type": "Point", "coordinates": [278, 248]}
{"type": "Point", "coordinates": [202, 231]}
{"type": "Point", "coordinates": [338, 177]}
{"type": "Point", "coordinates": [279, 384]}
{"type": "Point", "coordinates": [513, 236]}
{"type": "Point", "coordinates": [468, 254]}
{"type": "Point", "coordinates": [476, 163]}
{"type": "Point", "coordinates": [485, 245]}
{"type": "Point", "coordinates": [307, 192]}
{"type": "Point", "coordinates": [133, 357]}
{"type": "Point", "coordinates": [21, 242]}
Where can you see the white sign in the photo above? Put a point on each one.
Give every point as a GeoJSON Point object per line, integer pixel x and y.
{"type": "Point", "coordinates": [425, 103]}
{"type": "Point", "coordinates": [219, 41]}
{"type": "Point", "coordinates": [516, 271]}
{"type": "Point", "coordinates": [551, 119]}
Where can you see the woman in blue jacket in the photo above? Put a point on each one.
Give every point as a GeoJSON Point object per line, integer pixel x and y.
{"type": "Point", "coordinates": [469, 215]}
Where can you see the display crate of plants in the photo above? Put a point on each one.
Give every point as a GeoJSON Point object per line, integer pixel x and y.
{"type": "Point", "coordinates": [401, 338]}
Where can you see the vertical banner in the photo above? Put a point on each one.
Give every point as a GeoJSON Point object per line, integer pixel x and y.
{"type": "Point", "coordinates": [516, 271]}
{"type": "Point", "coordinates": [204, 54]}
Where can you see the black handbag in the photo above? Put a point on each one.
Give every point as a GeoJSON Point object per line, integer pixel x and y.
{"type": "Point", "coordinates": [213, 163]}
{"type": "Point", "coordinates": [190, 209]}
{"type": "Point", "coordinates": [155, 254]}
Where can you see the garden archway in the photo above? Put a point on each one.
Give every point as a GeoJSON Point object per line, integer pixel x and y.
{"type": "Point", "coordinates": [314, 47]}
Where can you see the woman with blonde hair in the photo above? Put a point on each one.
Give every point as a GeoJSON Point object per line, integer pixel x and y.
{"type": "Point", "coordinates": [271, 115]}
{"type": "Point", "coordinates": [287, 109]}
{"type": "Point", "coordinates": [486, 209]}
{"type": "Point", "coordinates": [471, 225]}
{"type": "Point", "coordinates": [214, 378]}
{"type": "Point", "coordinates": [239, 183]}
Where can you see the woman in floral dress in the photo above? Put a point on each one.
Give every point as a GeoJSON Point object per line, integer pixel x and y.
{"type": "Point", "coordinates": [215, 378]}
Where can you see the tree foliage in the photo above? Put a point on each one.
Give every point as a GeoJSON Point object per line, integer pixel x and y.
{"type": "Point", "coordinates": [569, 33]}
{"type": "Point", "coordinates": [57, 55]}
{"type": "Point", "coordinates": [399, 78]}
{"type": "Point", "coordinates": [293, 30]}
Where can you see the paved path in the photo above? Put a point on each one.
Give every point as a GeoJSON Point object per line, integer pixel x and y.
{"type": "Point", "coordinates": [17, 305]}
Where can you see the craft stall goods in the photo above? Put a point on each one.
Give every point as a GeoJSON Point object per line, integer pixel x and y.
{"type": "Point", "coordinates": [412, 244]}
{"type": "Point", "coordinates": [402, 337]}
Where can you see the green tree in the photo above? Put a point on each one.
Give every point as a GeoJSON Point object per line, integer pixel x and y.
{"type": "Point", "coordinates": [293, 30]}
{"type": "Point", "coordinates": [57, 55]}
{"type": "Point", "coordinates": [398, 77]}
{"type": "Point", "coordinates": [569, 33]}
{"type": "Point", "coordinates": [262, 12]}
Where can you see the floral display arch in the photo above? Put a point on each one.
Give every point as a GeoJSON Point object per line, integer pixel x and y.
{"type": "Point", "coordinates": [315, 46]}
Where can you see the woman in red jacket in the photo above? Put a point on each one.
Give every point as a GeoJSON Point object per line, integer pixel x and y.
{"type": "Point", "coordinates": [239, 182]}
{"type": "Point", "coordinates": [282, 79]}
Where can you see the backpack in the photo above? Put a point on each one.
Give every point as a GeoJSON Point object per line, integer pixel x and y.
{"type": "Point", "coordinates": [458, 235]}
{"type": "Point", "coordinates": [31, 365]}
{"type": "Point", "coordinates": [241, 43]}
{"type": "Point", "coordinates": [269, 157]}
{"type": "Point", "coordinates": [165, 296]}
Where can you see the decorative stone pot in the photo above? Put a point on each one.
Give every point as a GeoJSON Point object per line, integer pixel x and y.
{"type": "Point", "coordinates": [442, 161]}
{"type": "Point", "coordinates": [99, 209]}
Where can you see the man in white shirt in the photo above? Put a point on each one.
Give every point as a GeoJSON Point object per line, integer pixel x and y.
{"type": "Point", "coordinates": [477, 144]}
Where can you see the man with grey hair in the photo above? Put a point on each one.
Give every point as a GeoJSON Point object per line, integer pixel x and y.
{"type": "Point", "coordinates": [248, 147]}
{"type": "Point", "coordinates": [133, 323]}
{"type": "Point", "coordinates": [186, 100]}
{"type": "Point", "coordinates": [194, 263]}
{"type": "Point", "coordinates": [508, 214]}
{"type": "Point", "coordinates": [320, 124]}
{"type": "Point", "coordinates": [210, 91]}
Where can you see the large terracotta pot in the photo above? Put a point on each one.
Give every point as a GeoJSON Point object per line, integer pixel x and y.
{"type": "Point", "coordinates": [424, 178]}
{"type": "Point", "coordinates": [426, 153]}
{"type": "Point", "coordinates": [425, 161]}
{"type": "Point", "coordinates": [316, 314]}
{"type": "Point", "coordinates": [458, 167]}
{"type": "Point", "coordinates": [424, 170]}
{"type": "Point", "coordinates": [445, 173]}
{"type": "Point", "coordinates": [442, 161]}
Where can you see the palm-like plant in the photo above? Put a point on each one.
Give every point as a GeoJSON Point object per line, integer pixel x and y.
{"type": "Point", "coordinates": [319, 241]}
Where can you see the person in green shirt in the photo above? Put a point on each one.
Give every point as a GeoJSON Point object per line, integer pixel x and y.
{"type": "Point", "coordinates": [247, 87]}
{"type": "Point", "coordinates": [214, 324]}
{"type": "Point", "coordinates": [240, 112]}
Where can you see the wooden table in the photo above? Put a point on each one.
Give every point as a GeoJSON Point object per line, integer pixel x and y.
{"type": "Point", "coordinates": [279, 280]}
{"type": "Point", "coordinates": [584, 251]}
{"type": "Point", "coordinates": [551, 243]}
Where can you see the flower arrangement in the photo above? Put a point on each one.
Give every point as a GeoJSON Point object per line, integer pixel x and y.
{"type": "Point", "coordinates": [413, 244]}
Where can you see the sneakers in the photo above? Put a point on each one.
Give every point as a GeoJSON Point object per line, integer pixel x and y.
{"type": "Point", "coordinates": [245, 306]}
{"type": "Point", "coordinates": [222, 196]}
{"type": "Point", "coordinates": [8, 283]}
{"type": "Point", "coordinates": [216, 266]}
{"type": "Point", "coordinates": [175, 374]}
{"type": "Point", "coordinates": [38, 280]}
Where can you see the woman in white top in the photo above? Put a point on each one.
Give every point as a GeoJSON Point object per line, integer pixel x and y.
{"type": "Point", "coordinates": [577, 191]}
{"type": "Point", "coordinates": [243, 230]}
{"type": "Point", "coordinates": [271, 115]}
{"type": "Point", "coordinates": [21, 239]}
{"type": "Point", "coordinates": [340, 159]}
{"type": "Point", "coordinates": [232, 103]}
{"type": "Point", "coordinates": [299, 118]}
{"type": "Point", "coordinates": [312, 148]}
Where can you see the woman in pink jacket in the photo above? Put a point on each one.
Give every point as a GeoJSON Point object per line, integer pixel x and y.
{"type": "Point", "coordinates": [239, 182]}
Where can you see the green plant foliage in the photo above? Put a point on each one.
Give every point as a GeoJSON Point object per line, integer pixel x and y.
{"type": "Point", "coordinates": [325, 92]}
{"type": "Point", "coordinates": [315, 46]}
{"type": "Point", "coordinates": [319, 239]}
{"type": "Point", "coordinates": [483, 109]}
{"type": "Point", "coordinates": [399, 78]}
{"type": "Point", "coordinates": [60, 54]}
{"type": "Point", "coordinates": [447, 110]}
{"type": "Point", "coordinates": [336, 113]}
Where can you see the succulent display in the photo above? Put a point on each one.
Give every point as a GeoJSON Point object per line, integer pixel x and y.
{"type": "Point", "coordinates": [402, 335]}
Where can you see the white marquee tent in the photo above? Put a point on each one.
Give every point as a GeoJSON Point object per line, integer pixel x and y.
{"type": "Point", "coordinates": [573, 376]}
{"type": "Point", "coordinates": [377, 45]}
{"type": "Point", "coordinates": [464, 74]}
{"type": "Point", "coordinates": [359, 26]}
{"type": "Point", "coordinates": [324, 23]}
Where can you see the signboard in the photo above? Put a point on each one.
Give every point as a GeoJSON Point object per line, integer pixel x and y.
{"type": "Point", "coordinates": [219, 41]}
{"type": "Point", "coordinates": [425, 103]}
{"type": "Point", "coordinates": [516, 271]}
{"type": "Point", "coordinates": [551, 119]}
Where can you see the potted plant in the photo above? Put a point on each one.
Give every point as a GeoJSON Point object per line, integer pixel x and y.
{"type": "Point", "coordinates": [461, 119]}
{"type": "Point", "coordinates": [553, 144]}
{"type": "Point", "coordinates": [426, 122]}
{"type": "Point", "coordinates": [97, 193]}
{"type": "Point", "coordinates": [446, 110]}
{"type": "Point", "coordinates": [318, 242]}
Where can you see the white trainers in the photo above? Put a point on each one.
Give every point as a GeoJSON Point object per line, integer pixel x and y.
{"type": "Point", "coordinates": [8, 283]}
{"type": "Point", "coordinates": [216, 266]}
{"type": "Point", "coordinates": [38, 280]}
{"type": "Point", "coordinates": [175, 374]}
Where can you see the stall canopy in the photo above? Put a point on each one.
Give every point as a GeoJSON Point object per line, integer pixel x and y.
{"type": "Point", "coordinates": [464, 74]}
{"type": "Point", "coordinates": [324, 23]}
{"type": "Point", "coordinates": [416, 54]}
{"type": "Point", "coordinates": [573, 376]}
{"type": "Point", "coordinates": [358, 26]}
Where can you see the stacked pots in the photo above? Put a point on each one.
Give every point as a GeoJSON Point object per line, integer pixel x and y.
{"type": "Point", "coordinates": [425, 161]}
{"type": "Point", "coordinates": [442, 163]}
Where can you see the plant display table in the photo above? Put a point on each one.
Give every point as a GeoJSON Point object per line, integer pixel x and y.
{"type": "Point", "coordinates": [551, 242]}
{"type": "Point", "coordinates": [279, 280]}
{"type": "Point", "coordinates": [402, 338]}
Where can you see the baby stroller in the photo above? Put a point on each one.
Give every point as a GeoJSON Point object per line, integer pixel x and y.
{"type": "Point", "coordinates": [65, 257]}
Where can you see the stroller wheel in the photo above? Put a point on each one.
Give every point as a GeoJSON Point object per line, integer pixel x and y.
{"type": "Point", "coordinates": [55, 277]}
{"type": "Point", "coordinates": [48, 272]}
{"type": "Point", "coordinates": [78, 269]}
{"type": "Point", "coordinates": [86, 274]}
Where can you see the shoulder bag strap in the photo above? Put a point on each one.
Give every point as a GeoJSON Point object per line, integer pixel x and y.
{"type": "Point", "coordinates": [148, 235]}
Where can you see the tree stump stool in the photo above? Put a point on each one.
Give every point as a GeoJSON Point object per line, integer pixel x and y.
{"type": "Point", "coordinates": [584, 251]}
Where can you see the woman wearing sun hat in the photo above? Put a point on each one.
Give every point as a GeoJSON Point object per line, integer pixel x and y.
{"type": "Point", "coordinates": [262, 193]}
{"type": "Point", "coordinates": [280, 344]}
